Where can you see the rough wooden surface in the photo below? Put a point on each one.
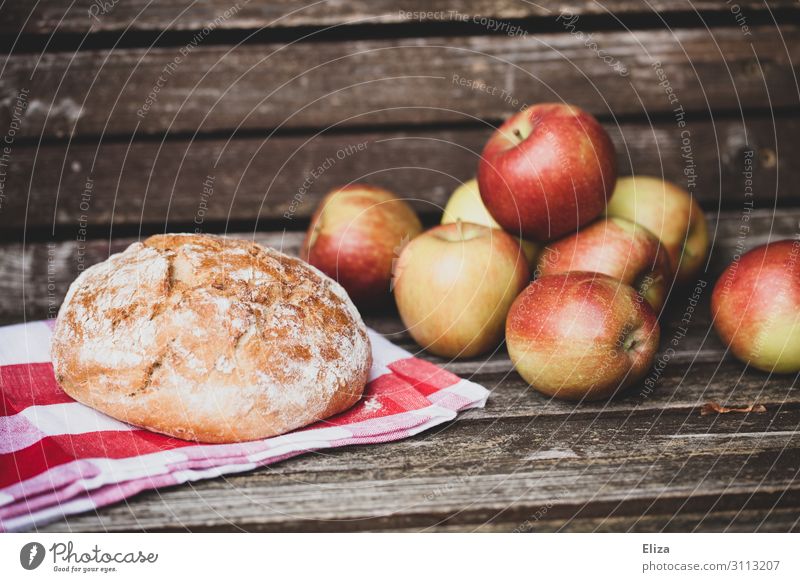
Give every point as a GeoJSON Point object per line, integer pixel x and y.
{"type": "Point", "coordinates": [740, 520]}
{"type": "Point", "coordinates": [357, 83]}
{"type": "Point", "coordinates": [48, 16]}
{"type": "Point", "coordinates": [35, 276]}
{"type": "Point", "coordinates": [160, 183]}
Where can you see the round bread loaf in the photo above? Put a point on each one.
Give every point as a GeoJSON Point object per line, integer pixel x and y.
{"type": "Point", "coordinates": [210, 339]}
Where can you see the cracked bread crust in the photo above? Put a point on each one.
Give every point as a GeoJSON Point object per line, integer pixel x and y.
{"type": "Point", "coordinates": [210, 339]}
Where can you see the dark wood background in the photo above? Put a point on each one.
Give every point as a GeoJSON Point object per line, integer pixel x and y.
{"type": "Point", "coordinates": [259, 100]}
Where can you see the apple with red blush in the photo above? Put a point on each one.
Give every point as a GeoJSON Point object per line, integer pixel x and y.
{"type": "Point", "coordinates": [547, 171]}
{"type": "Point", "coordinates": [454, 285]}
{"type": "Point", "coordinates": [670, 213]}
{"type": "Point", "coordinates": [618, 248]}
{"type": "Point", "coordinates": [355, 236]}
{"type": "Point", "coordinates": [581, 336]}
{"type": "Point", "coordinates": [756, 307]}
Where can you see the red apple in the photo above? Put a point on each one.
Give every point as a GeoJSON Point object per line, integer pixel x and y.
{"type": "Point", "coordinates": [547, 171]}
{"type": "Point", "coordinates": [581, 336]}
{"type": "Point", "coordinates": [454, 285]}
{"type": "Point", "coordinates": [355, 235]}
{"type": "Point", "coordinates": [756, 307]}
{"type": "Point", "coordinates": [670, 213]}
{"type": "Point", "coordinates": [618, 248]}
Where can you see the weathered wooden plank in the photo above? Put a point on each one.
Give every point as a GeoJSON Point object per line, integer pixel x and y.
{"type": "Point", "coordinates": [55, 265]}
{"type": "Point", "coordinates": [48, 16]}
{"type": "Point", "coordinates": [681, 386]}
{"type": "Point", "coordinates": [272, 178]}
{"type": "Point", "coordinates": [43, 271]}
{"type": "Point", "coordinates": [415, 80]}
{"type": "Point", "coordinates": [755, 520]}
{"type": "Point", "coordinates": [474, 472]}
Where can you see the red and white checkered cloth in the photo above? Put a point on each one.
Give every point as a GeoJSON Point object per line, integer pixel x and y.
{"type": "Point", "coordinates": [59, 457]}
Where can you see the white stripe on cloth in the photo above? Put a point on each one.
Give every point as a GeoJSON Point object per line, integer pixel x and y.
{"type": "Point", "coordinates": [37, 422]}
{"type": "Point", "coordinates": [471, 391]}
{"type": "Point", "coordinates": [384, 353]}
{"type": "Point", "coordinates": [25, 343]}
{"type": "Point", "coordinates": [78, 505]}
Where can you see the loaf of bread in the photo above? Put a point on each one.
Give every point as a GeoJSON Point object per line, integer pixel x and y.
{"type": "Point", "coordinates": [210, 339]}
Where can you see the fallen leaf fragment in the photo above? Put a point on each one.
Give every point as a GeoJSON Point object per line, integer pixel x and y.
{"type": "Point", "coordinates": [712, 407]}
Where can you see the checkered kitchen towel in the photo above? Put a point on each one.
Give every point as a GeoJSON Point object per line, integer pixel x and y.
{"type": "Point", "coordinates": [59, 457]}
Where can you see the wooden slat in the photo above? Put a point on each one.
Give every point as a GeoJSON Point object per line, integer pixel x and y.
{"type": "Point", "coordinates": [55, 265]}
{"type": "Point", "coordinates": [683, 387]}
{"type": "Point", "coordinates": [157, 183]}
{"type": "Point", "coordinates": [47, 16]}
{"type": "Point", "coordinates": [25, 268]}
{"type": "Point", "coordinates": [754, 520]}
{"type": "Point", "coordinates": [218, 88]}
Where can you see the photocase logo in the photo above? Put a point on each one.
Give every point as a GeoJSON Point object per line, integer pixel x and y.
{"type": "Point", "coordinates": [31, 555]}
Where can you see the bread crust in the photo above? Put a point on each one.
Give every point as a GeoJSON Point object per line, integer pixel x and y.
{"type": "Point", "coordinates": [210, 339]}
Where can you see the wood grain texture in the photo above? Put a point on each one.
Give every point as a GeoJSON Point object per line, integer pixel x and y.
{"type": "Point", "coordinates": [34, 277]}
{"type": "Point", "coordinates": [48, 16]}
{"type": "Point", "coordinates": [413, 80]}
{"type": "Point", "coordinates": [155, 182]}
{"type": "Point", "coordinates": [742, 520]}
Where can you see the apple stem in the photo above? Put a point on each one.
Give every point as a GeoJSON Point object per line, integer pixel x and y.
{"type": "Point", "coordinates": [518, 134]}
{"type": "Point", "coordinates": [459, 230]}
{"type": "Point", "coordinates": [630, 343]}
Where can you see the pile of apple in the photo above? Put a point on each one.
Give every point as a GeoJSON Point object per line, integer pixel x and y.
{"type": "Point", "coordinates": [603, 253]}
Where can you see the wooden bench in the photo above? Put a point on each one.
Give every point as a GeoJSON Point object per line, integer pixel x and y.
{"type": "Point", "coordinates": [127, 119]}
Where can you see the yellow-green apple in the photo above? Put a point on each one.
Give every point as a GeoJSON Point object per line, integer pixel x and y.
{"type": "Point", "coordinates": [756, 307]}
{"type": "Point", "coordinates": [465, 204]}
{"type": "Point", "coordinates": [615, 247]}
{"type": "Point", "coordinates": [547, 171]}
{"type": "Point", "coordinates": [454, 284]}
{"type": "Point", "coordinates": [355, 235]}
{"type": "Point", "coordinates": [669, 212]}
{"type": "Point", "coordinates": [581, 336]}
